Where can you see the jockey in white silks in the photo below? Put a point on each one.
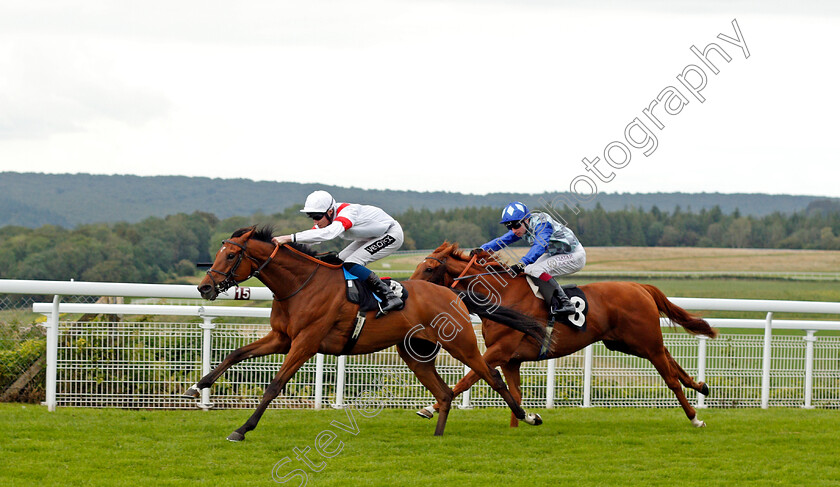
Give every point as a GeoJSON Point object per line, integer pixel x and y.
{"type": "Point", "coordinates": [374, 235]}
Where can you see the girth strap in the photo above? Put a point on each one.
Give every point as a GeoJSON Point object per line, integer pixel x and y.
{"type": "Point", "coordinates": [357, 332]}
{"type": "Point", "coordinates": [546, 344]}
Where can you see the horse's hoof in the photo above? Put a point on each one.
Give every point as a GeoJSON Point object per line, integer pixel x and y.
{"type": "Point", "coordinates": [426, 413]}
{"type": "Point", "coordinates": [697, 423]}
{"type": "Point", "coordinates": [236, 436]}
{"type": "Point", "coordinates": [191, 393]}
{"type": "Point", "coordinates": [533, 419]}
{"type": "Point", "coordinates": [704, 389]}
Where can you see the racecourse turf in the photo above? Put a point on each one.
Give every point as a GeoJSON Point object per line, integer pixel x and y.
{"type": "Point", "coordinates": [394, 447]}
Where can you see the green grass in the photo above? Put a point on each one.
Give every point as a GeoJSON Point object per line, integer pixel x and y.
{"type": "Point", "coordinates": [575, 446]}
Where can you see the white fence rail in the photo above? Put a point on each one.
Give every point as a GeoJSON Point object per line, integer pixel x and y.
{"type": "Point", "coordinates": [142, 364]}
{"type": "Point", "coordinates": [80, 288]}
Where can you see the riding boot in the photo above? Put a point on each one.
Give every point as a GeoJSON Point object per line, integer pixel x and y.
{"type": "Point", "coordinates": [390, 300]}
{"type": "Point", "coordinates": [557, 301]}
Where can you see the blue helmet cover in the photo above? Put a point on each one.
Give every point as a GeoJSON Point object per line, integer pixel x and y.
{"type": "Point", "coordinates": [514, 212]}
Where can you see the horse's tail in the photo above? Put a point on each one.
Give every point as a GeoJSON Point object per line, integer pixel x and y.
{"type": "Point", "coordinates": [485, 307]}
{"type": "Point", "coordinates": [692, 324]}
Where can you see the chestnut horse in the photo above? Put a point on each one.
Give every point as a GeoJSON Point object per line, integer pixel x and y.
{"type": "Point", "coordinates": [623, 315]}
{"type": "Point", "coordinates": [310, 314]}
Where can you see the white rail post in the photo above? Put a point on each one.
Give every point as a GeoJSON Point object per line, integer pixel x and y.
{"type": "Point", "coordinates": [465, 396]}
{"type": "Point", "coordinates": [549, 383]}
{"type": "Point", "coordinates": [206, 351]}
{"type": "Point", "coordinates": [587, 377]}
{"type": "Point", "coordinates": [52, 354]}
{"type": "Point", "coordinates": [701, 368]}
{"type": "Point", "coordinates": [765, 371]}
{"type": "Point", "coordinates": [809, 368]}
{"type": "Point", "coordinates": [339, 381]}
{"type": "Point", "coordinates": [319, 380]}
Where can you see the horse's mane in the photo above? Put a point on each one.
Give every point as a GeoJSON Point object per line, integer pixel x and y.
{"type": "Point", "coordinates": [265, 233]}
{"type": "Point", "coordinates": [453, 250]}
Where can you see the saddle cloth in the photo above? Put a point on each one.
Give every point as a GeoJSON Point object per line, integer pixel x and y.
{"type": "Point", "coordinates": [576, 296]}
{"type": "Point", "coordinates": [361, 294]}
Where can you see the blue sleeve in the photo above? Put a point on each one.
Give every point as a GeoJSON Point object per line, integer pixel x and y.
{"type": "Point", "coordinates": [501, 242]}
{"type": "Point", "coordinates": [541, 238]}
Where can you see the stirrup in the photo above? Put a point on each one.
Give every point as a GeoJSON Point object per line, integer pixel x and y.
{"type": "Point", "coordinates": [388, 305]}
{"type": "Point", "coordinates": [563, 309]}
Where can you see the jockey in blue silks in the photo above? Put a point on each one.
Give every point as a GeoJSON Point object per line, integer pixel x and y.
{"type": "Point", "coordinates": [555, 251]}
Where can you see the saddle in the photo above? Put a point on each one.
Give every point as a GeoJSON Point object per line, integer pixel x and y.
{"type": "Point", "coordinates": [359, 293]}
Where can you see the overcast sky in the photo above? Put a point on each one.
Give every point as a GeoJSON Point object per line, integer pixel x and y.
{"type": "Point", "coordinates": [457, 95]}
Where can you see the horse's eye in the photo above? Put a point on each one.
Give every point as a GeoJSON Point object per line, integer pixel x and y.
{"type": "Point", "coordinates": [428, 269]}
{"type": "Point", "coordinates": [231, 256]}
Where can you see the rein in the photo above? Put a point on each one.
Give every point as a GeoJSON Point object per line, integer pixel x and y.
{"type": "Point", "coordinates": [301, 286]}
{"type": "Point", "coordinates": [308, 257]}
{"type": "Point", "coordinates": [230, 279]}
{"type": "Point", "coordinates": [461, 276]}
{"type": "Point", "coordinates": [482, 274]}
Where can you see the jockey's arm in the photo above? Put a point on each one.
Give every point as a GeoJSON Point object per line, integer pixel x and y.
{"type": "Point", "coordinates": [318, 235]}
{"type": "Point", "coordinates": [542, 234]}
{"type": "Point", "coordinates": [501, 242]}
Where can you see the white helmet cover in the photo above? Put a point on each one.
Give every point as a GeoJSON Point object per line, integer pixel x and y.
{"type": "Point", "coordinates": [318, 202]}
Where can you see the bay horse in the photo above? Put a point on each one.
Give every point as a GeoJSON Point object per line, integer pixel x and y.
{"type": "Point", "coordinates": [310, 313]}
{"type": "Point", "coordinates": [623, 315]}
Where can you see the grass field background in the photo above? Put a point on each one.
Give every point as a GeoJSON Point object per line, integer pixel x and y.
{"type": "Point", "coordinates": [395, 448]}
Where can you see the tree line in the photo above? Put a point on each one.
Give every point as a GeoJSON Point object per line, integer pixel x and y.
{"type": "Point", "coordinates": [65, 199]}
{"type": "Point", "coordinates": [817, 227]}
{"type": "Point", "coordinates": [167, 249]}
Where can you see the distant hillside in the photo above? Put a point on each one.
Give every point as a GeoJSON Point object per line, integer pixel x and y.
{"type": "Point", "coordinates": [34, 200]}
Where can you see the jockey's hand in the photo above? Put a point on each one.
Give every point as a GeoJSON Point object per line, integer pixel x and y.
{"type": "Point", "coordinates": [518, 268]}
{"type": "Point", "coordinates": [476, 251]}
{"type": "Point", "coordinates": [282, 239]}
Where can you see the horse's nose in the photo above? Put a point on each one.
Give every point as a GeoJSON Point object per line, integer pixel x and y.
{"type": "Point", "coordinates": [205, 290]}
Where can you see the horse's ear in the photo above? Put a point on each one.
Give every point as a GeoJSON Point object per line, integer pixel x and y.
{"type": "Point", "coordinates": [441, 248]}
{"type": "Point", "coordinates": [244, 233]}
{"type": "Point", "coordinates": [249, 233]}
{"type": "Point", "coordinates": [451, 247]}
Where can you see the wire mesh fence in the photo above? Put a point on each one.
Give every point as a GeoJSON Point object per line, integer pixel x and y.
{"type": "Point", "coordinates": [149, 364]}
{"type": "Point", "coordinates": [23, 302]}
{"type": "Point", "coordinates": [22, 346]}
{"type": "Point", "coordinates": [22, 370]}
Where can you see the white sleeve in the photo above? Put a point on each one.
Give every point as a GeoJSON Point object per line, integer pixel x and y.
{"type": "Point", "coordinates": [317, 235]}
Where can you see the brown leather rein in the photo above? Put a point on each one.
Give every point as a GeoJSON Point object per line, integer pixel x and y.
{"type": "Point", "coordinates": [461, 276]}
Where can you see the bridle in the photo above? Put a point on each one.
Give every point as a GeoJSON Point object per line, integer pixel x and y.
{"type": "Point", "coordinates": [229, 280]}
